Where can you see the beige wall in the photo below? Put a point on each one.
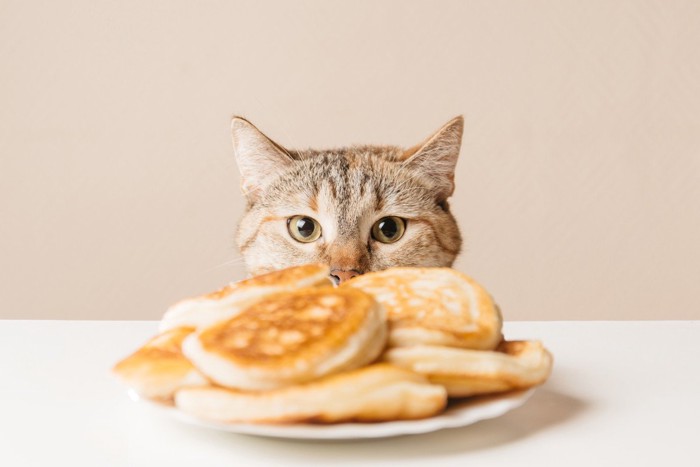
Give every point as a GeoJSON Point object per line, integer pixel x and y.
{"type": "Point", "coordinates": [578, 188]}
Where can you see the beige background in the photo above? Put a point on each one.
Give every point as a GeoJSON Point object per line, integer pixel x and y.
{"type": "Point", "coordinates": [578, 188]}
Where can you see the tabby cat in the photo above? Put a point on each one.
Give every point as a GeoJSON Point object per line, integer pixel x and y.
{"type": "Point", "coordinates": [358, 209]}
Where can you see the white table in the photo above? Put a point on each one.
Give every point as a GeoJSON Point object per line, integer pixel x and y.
{"type": "Point", "coordinates": [622, 393]}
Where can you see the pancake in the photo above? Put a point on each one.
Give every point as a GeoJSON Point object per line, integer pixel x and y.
{"type": "Point", "coordinates": [158, 368]}
{"type": "Point", "coordinates": [291, 338]}
{"type": "Point", "coordinates": [226, 302]}
{"type": "Point", "coordinates": [514, 365]}
{"type": "Point", "coordinates": [375, 393]}
{"type": "Point", "coordinates": [433, 306]}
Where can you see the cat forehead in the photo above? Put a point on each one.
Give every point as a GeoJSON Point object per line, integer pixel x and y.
{"type": "Point", "coordinates": [349, 172]}
{"type": "Point", "coordinates": [351, 154]}
{"type": "Point", "coordinates": [351, 180]}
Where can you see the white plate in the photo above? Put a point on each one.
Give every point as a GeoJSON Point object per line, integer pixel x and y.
{"type": "Point", "coordinates": [458, 414]}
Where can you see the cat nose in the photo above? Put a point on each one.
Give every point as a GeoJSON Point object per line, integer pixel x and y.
{"type": "Point", "coordinates": [339, 275]}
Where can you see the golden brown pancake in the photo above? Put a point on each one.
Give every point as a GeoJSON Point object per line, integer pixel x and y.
{"type": "Point", "coordinates": [375, 393]}
{"type": "Point", "coordinates": [158, 368]}
{"type": "Point", "coordinates": [433, 306]}
{"type": "Point", "coordinates": [226, 302]}
{"type": "Point", "coordinates": [514, 365]}
{"type": "Point", "coordinates": [290, 338]}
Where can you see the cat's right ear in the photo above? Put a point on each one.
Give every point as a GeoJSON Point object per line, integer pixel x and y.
{"type": "Point", "coordinates": [259, 158]}
{"type": "Point", "coordinates": [437, 156]}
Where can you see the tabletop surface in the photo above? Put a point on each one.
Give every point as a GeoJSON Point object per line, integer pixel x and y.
{"type": "Point", "coordinates": [622, 393]}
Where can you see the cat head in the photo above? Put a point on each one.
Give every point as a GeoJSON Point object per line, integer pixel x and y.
{"type": "Point", "coordinates": [358, 209]}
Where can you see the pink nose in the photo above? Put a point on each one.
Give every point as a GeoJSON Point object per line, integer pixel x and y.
{"type": "Point", "coordinates": [340, 276]}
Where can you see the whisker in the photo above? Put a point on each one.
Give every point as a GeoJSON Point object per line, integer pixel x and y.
{"type": "Point", "coordinates": [232, 262]}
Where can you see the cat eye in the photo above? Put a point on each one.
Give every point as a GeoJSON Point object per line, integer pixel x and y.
{"type": "Point", "coordinates": [388, 229]}
{"type": "Point", "coordinates": [303, 229]}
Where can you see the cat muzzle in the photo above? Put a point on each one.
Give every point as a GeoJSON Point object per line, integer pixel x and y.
{"type": "Point", "coordinates": [339, 276]}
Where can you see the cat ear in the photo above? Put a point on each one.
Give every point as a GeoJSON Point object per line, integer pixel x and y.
{"type": "Point", "coordinates": [258, 157]}
{"type": "Point", "coordinates": [437, 156]}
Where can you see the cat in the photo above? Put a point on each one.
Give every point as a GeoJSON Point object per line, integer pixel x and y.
{"type": "Point", "coordinates": [357, 209]}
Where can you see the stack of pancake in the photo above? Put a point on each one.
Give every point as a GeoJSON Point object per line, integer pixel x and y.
{"type": "Point", "coordinates": [290, 347]}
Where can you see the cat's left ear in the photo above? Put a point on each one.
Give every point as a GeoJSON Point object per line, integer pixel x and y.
{"type": "Point", "coordinates": [437, 156]}
{"type": "Point", "coordinates": [259, 158]}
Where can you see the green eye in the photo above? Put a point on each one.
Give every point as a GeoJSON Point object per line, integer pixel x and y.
{"type": "Point", "coordinates": [303, 229]}
{"type": "Point", "coordinates": [388, 229]}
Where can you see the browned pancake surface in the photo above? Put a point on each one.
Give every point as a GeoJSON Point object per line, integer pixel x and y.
{"type": "Point", "coordinates": [163, 351]}
{"type": "Point", "coordinates": [284, 327]}
{"type": "Point", "coordinates": [159, 368]}
{"type": "Point", "coordinates": [433, 299]}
